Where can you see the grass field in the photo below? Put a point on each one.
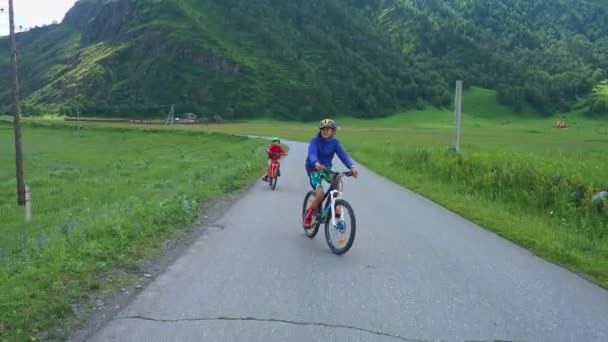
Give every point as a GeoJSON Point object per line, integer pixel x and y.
{"type": "Point", "coordinates": [104, 200]}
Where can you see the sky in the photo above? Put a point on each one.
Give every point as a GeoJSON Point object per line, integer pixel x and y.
{"type": "Point", "coordinates": [30, 13]}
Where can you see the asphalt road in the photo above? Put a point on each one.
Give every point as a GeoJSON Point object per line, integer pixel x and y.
{"type": "Point", "coordinates": [416, 272]}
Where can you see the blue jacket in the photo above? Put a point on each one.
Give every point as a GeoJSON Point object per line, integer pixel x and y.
{"type": "Point", "coordinates": [323, 150]}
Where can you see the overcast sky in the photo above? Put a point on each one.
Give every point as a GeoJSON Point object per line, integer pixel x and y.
{"type": "Point", "coordinates": [30, 13]}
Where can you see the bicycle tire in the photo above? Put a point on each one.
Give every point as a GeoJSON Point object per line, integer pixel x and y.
{"type": "Point", "coordinates": [273, 182]}
{"type": "Point", "coordinates": [272, 179]}
{"type": "Point", "coordinates": [353, 229]}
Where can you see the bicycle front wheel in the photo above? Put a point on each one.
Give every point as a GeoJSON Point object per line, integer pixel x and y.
{"type": "Point", "coordinates": [340, 237]}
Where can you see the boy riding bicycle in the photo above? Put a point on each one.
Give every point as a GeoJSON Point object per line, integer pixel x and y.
{"type": "Point", "coordinates": [321, 151]}
{"type": "Point", "coordinates": [275, 151]}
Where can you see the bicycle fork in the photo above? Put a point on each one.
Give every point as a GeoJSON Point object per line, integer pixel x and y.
{"type": "Point", "coordinates": [335, 195]}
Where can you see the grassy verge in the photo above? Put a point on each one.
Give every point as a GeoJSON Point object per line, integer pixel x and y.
{"type": "Point", "coordinates": [529, 203]}
{"type": "Point", "coordinates": [104, 201]}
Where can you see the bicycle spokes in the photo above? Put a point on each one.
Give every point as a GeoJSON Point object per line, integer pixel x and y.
{"type": "Point", "coordinates": [340, 230]}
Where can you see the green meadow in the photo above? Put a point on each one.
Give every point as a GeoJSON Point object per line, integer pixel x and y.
{"type": "Point", "coordinates": [104, 201]}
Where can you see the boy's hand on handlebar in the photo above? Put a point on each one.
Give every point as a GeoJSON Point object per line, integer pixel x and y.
{"type": "Point", "coordinates": [319, 167]}
{"type": "Point", "coordinates": [354, 171]}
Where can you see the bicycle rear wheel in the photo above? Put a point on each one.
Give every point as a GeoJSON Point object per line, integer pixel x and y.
{"type": "Point", "coordinates": [340, 237]}
{"type": "Point", "coordinates": [272, 177]}
{"type": "Point", "coordinates": [273, 182]}
{"type": "Point", "coordinates": [314, 228]}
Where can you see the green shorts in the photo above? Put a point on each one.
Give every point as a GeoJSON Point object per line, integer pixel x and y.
{"type": "Point", "coordinates": [316, 179]}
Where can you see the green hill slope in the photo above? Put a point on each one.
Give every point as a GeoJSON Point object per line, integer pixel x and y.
{"type": "Point", "coordinates": [296, 59]}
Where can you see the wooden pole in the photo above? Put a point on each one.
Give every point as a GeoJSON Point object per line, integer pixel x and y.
{"type": "Point", "coordinates": [16, 118]}
{"type": "Point", "coordinates": [457, 110]}
{"type": "Point", "coordinates": [28, 204]}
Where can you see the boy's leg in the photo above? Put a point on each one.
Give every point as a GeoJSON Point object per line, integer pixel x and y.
{"type": "Point", "coordinates": [316, 179]}
{"type": "Point", "coordinates": [267, 171]}
{"type": "Point", "coordinates": [329, 178]}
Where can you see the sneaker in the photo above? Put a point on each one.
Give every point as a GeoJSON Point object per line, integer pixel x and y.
{"type": "Point", "coordinates": [265, 179]}
{"type": "Point", "coordinates": [307, 222]}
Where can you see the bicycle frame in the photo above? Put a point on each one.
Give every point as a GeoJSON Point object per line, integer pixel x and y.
{"type": "Point", "coordinates": [330, 198]}
{"type": "Point", "coordinates": [335, 195]}
{"type": "Point", "coordinates": [274, 166]}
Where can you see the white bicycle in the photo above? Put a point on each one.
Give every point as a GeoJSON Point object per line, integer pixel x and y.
{"type": "Point", "coordinates": [337, 214]}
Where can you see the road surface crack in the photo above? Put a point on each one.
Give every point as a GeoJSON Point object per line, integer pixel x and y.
{"type": "Point", "coordinates": [273, 320]}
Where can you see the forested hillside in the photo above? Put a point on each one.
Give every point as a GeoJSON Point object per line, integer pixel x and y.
{"type": "Point", "coordinates": [296, 59]}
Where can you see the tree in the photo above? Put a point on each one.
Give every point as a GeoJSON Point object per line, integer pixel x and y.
{"type": "Point", "coordinates": [598, 107]}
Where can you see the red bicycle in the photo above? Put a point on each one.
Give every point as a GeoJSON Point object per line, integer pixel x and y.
{"type": "Point", "coordinates": [274, 171]}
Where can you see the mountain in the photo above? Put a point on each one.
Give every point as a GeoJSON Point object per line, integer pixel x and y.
{"type": "Point", "coordinates": [546, 53]}
{"type": "Point", "coordinates": [294, 59]}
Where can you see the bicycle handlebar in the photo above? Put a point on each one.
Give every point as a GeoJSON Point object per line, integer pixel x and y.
{"type": "Point", "coordinates": [281, 154]}
{"type": "Point", "coordinates": [347, 173]}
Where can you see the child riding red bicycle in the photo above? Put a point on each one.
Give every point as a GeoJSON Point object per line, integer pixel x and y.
{"type": "Point", "coordinates": [275, 151]}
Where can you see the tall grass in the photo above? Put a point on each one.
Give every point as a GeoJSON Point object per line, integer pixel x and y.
{"type": "Point", "coordinates": [518, 179]}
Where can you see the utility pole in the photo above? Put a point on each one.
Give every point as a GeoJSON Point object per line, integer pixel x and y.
{"type": "Point", "coordinates": [457, 109]}
{"type": "Point", "coordinates": [171, 117]}
{"type": "Point", "coordinates": [15, 98]}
